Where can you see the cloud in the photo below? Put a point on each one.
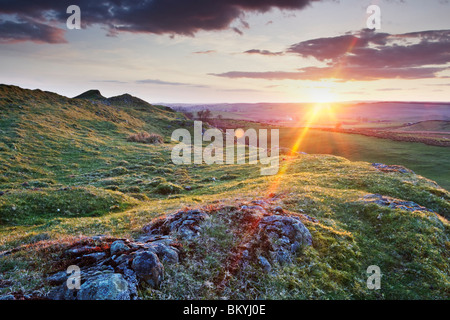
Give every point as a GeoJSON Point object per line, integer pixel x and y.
{"type": "Point", "coordinates": [366, 55]}
{"type": "Point", "coordinates": [264, 52]}
{"type": "Point", "coordinates": [110, 81]}
{"type": "Point", "coordinates": [168, 83]}
{"type": "Point", "coordinates": [238, 31]}
{"type": "Point", "coordinates": [156, 16]}
{"type": "Point", "coordinates": [439, 85]}
{"type": "Point", "coordinates": [240, 90]}
{"type": "Point", "coordinates": [17, 31]}
{"type": "Point", "coordinates": [334, 47]}
{"type": "Point", "coordinates": [349, 74]}
{"type": "Point", "coordinates": [390, 89]}
{"type": "Point", "coordinates": [205, 52]}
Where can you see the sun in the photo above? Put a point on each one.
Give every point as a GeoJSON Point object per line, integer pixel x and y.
{"type": "Point", "coordinates": [323, 113]}
{"type": "Point", "coordinates": [322, 92]}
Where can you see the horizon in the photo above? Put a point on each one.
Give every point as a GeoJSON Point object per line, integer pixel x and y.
{"type": "Point", "coordinates": [183, 104]}
{"type": "Point", "coordinates": [278, 52]}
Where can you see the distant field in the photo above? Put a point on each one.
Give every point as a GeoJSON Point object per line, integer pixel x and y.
{"type": "Point", "coordinates": [433, 126]}
{"type": "Point", "coordinates": [429, 161]}
{"type": "Point", "coordinates": [433, 132]}
{"type": "Point", "coordinates": [367, 114]}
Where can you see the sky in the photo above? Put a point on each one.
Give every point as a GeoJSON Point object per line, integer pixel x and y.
{"type": "Point", "coordinates": [204, 51]}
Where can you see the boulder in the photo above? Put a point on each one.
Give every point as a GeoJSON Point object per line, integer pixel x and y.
{"type": "Point", "coordinates": [57, 278]}
{"type": "Point", "coordinates": [185, 223]}
{"type": "Point", "coordinates": [165, 253]}
{"type": "Point", "coordinates": [148, 268]}
{"type": "Point", "coordinates": [281, 237]}
{"type": "Point", "coordinates": [104, 287]}
{"type": "Point", "coordinates": [62, 293]}
{"type": "Point", "coordinates": [118, 247]}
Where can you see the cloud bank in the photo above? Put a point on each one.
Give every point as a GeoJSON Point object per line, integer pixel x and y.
{"type": "Point", "coordinates": [156, 16]}
{"type": "Point", "coordinates": [365, 55]}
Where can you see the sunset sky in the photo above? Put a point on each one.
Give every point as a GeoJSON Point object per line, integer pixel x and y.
{"type": "Point", "coordinates": [204, 51]}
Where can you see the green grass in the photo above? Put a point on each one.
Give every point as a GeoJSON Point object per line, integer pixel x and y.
{"type": "Point", "coordinates": [68, 171]}
{"type": "Point", "coordinates": [428, 161]}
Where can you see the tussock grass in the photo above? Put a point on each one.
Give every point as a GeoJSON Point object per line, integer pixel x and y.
{"type": "Point", "coordinates": [145, 137]}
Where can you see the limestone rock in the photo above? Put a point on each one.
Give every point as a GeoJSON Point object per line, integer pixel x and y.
{"type": "Point", "coordinates": [118, 246]}
{"type": "Point", "coordinates": [148, 268]}
{"type": "Point", "coordinates": [105, 287]}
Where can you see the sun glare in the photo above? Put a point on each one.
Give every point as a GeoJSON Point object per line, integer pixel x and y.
{"type": "Point", "coordinates": [322, 94]}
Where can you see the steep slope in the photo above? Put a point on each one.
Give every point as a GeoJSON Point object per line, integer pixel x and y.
{"type": "Point", "coordinates": [45, 133]}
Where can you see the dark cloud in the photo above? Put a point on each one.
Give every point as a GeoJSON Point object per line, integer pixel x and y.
{"type": "Point", "coordinates": [238, 31]}
{"type": "Point", "coordinates": [156, 16]}
{"type": "Point", "coordinates": [334, 47]}
{"type": "Point", "coordinates": [12, 31]}
{"type": "Point", "coordinates": [367, 55]}
{"type": "Point", "coordinates": [264, 52]}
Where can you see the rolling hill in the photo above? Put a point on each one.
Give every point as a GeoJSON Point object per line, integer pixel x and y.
{"type": "Point", "coordinates": [369, 112]}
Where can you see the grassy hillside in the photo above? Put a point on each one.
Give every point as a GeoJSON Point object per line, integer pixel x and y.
{"type": "Point", "coordinates": [68, 172]}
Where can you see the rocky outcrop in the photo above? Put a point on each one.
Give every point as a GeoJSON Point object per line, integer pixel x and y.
{"type": "Point", "coordinates": [281, 237]}
{"type": "Point", "coordinates": [394, 203]}
{"type": "Point", "coordinates": [185, 223]}
{"type": "Point", "coordinates": [115, 269]}
{"type": "Point", "coordinates": [274, 235]}
{"type": "Point", "coordinates": [391, 168]}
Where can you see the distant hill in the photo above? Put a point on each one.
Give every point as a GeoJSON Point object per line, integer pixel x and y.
{"type": "Point", "coordinates": [432, 126]}
{"type": "Point", "coordinates": [91, 95]}
{"type": "Point", "coordinates": [401, 112]}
